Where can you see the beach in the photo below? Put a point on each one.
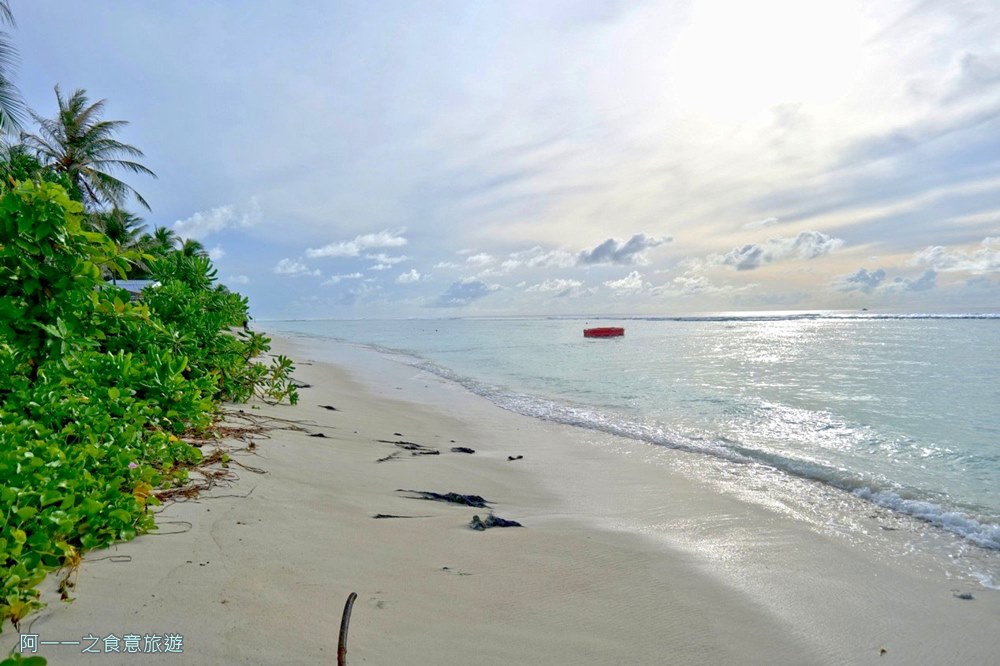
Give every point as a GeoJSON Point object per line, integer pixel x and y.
{"type": "Point", "coordinates": [622, 559]}
{"type": "Point", "coordinates": [554, 333]}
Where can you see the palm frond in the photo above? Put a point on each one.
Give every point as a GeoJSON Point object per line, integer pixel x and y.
{"type": "Point", "coordinates": [134, 167]}
{"type": "Point", "coordinates": [8, 53]}
{"type": "Point", "coordinates": [6, 16]}
{"type": "Point", "coordinates": [113, 191]}
{"type": "Point", "coordinates": [12, 108]}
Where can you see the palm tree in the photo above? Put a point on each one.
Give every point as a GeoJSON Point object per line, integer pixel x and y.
{"type": "Point", "coordinates": [18, 164]}
{"type": "Point", "coordinates": [78, 143]}
{"type": "Point", "coordinates": [192, 248]}
{"type": "Point", "coordinates": [163, 240]}
{"type": "Point", "coordinates": [125, 229]}
{"type": "Point", "coordinates": [11, 105]}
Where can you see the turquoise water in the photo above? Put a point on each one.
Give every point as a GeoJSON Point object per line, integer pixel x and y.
{"type": "Point", "coordinates": [901, 411]}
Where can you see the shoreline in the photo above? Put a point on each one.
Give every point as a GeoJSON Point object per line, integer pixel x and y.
{"type": "Point", "coordinates": [615, 564]}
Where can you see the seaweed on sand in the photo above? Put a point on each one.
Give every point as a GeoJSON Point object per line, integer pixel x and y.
{"type": "Point", "coordinates": [453, 498]}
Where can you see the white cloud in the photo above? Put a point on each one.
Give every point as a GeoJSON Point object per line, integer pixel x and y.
{"type": "Point", "coordinates": [760, 224]}
{"type": "Point", "coordinates": [364, 291]}
{"type": "Point", "coordinates": [481, 259]}
{"type": "Point", "coordinates": [558, 287]}
{"type": "Point", "coordinates": [690, 284]}
{"type": "Point", "coordinates": [463, 292]}
{"type": "Point", "coordinates": [692, 264]}
{"type": "Point", "coordinates": [630, 284]}
{"type": "Point", "coordinates": [613, 251]}
{"type": "Point", "coordinates": [862, 280]}
{"type": "Point", "coordinates": [610, 251]}
{"type": "Point", "coordinates": [694, 285]}
{"type": "Point", "coordinates": [555, 284]}
{"type": "Point", "coordinates": [446, 264]}
{"type": "Point", "coordinates": [385, 262]}
{"type": "Point", "coordinates": [984, 260]}
{"type": "Point", "coordinates": [238, 279]}
{"type": "Point", "coordinates": [409, 277]}
{"type": "Point", "coordinates": [868, 282]}
{"type": "Point", "coordinates": [926, 281]}
{"type": "Point", "coordinates": [743, 258]}
{"type": "Point", "coordinates": [216, 253]}
{"type": "Point", "coordinates": [807, 245]}
{"type": "Point", "coordinates": [354, 248]}
{"type": "Point", "coordinates": [334, 279]}
{"type": "Point", "coordinates": [293, 268]}
{"type": "Point", "coordinates": [205, 223]}
{"type": "Point", "coordinates": [538, 257]}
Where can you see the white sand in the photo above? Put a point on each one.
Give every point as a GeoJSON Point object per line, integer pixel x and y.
{"type": "Point", "coordinates": [623, 559]}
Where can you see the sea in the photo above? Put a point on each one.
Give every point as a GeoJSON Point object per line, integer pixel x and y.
{"type": "Point", "coordinates": [838, 414]}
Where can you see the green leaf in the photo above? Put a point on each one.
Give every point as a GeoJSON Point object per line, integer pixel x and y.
{"type": "Point", "coordinates": [122, 515]}
{"type": "Point", "coordinates": [50, 497]}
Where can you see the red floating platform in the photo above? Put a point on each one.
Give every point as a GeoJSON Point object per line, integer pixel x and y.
{"type": "Point", "coordinates": [606, 332]}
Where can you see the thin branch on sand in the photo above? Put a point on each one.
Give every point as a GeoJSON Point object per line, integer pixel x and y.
{"type": "Point", "coordinates": [345, 622]}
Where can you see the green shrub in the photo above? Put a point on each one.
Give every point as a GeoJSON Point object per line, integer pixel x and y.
{"type": "Point", "coordinates": [97, 391]}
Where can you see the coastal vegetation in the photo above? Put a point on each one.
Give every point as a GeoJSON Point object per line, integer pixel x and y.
{"type": "Point", "coordinates": [98, 392]}
{"type": "Point", "coordinates": [101, 393]}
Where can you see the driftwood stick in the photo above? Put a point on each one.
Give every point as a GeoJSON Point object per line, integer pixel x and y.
{"type": "Point", "coordinates": [345, 621]}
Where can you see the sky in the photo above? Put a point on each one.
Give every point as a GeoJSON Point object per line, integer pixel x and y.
{"type": "Point", "coordinates": [469, 158]}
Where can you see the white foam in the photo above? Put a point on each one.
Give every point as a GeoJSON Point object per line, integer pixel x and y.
{"type": "Point", "coordinates": [986, 535]}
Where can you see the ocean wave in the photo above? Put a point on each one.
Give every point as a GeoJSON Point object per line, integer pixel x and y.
{"type": "Point", "coordinates": [985, 579]}
{"type": "Point", "coordinates": [986, 535]}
